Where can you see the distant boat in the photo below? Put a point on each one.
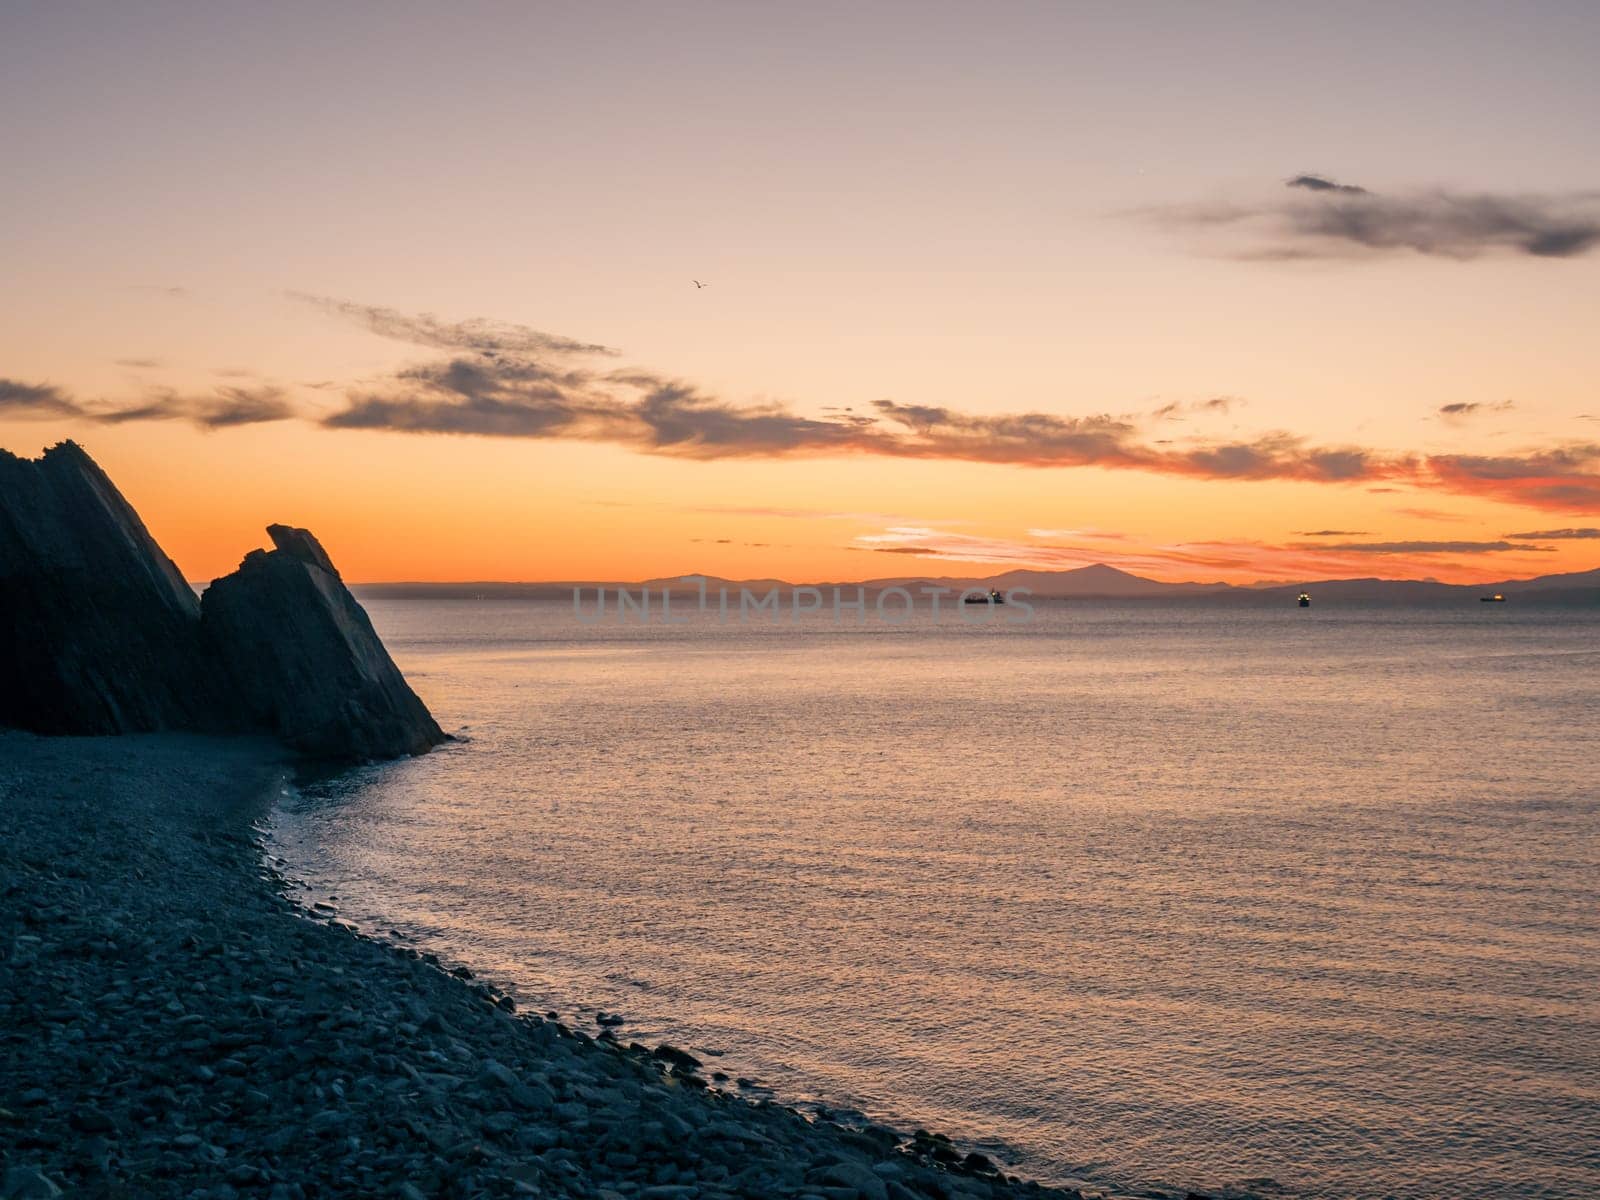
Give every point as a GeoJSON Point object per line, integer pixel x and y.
{"type": "Point", "coordinates": [1305, 599]}
{"type": "Point", "coordinates": [993, 597]}
{"type": "Point", "coordinates": [1497, 598]}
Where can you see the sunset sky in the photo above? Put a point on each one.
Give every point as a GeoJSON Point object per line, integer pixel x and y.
{"type": "Point", "coordinates": [1218, 291]}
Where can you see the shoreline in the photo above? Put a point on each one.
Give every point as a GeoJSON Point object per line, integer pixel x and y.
{"type": "Point", "coordinates": [174, 1024]}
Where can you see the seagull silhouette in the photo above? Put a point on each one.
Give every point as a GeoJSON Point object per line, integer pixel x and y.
{"type": "Point", "coordinates": [697, 283]}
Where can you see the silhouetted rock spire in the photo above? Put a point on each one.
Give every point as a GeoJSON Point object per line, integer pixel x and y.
{"type": "Point", "coordinates": [99, 627]}
{"type": "Point", "coordinates": [304, 659]}
{"type": "Point", "coordinates": [301, 544]}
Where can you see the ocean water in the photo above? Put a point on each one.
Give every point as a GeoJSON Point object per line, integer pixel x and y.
{"type": "Point", "coordinates": [1302, 902]}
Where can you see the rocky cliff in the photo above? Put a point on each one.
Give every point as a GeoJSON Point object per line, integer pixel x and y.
{"type": "Point", "coordinates": [98, 624]}
{"type": "Point", "coordinates": [99, 632]}
{"type": "Point", "coordinates": [304, 660]}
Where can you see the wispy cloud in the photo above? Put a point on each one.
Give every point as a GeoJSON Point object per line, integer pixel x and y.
{"type": "Point", "coordinates": [1178, 410]}
{"type": "Point", "coordinates": [1566, 477]}
{"type": "Point", "coordinates": [1558, 535]}
{"type": "Point", "coordinates": [222, 408]}
{"type": "Point", "coordinates": [1090, 534]}
{"type": "Point", "coordinates": [499, 380]}
{"type": "Point", "coordinates": [1496, 547]}
{"type": "Point", "coordinates": [425, 329]}
{"type": "Point", "coordinates": [1239, 560]}
{"type": "Point", "coordinates": [1321, 183]}
{"type": "Point", "coordinates": [1323, 533]}
{"type": "Point", "coordinates": [945, 546]}
{"type": "Point", "coordinates": [34, 400]}
{"type": "Point", "coordinates": [1320, 218]}
{"type": "Point", "coordinates": [1461, 410]}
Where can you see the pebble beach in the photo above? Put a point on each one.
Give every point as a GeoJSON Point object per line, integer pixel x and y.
{"type": "Point", "coordinates": [171, 1024]}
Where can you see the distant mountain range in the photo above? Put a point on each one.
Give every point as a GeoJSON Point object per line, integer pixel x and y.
{"type": "Point", "coordinates": [1097, 582]}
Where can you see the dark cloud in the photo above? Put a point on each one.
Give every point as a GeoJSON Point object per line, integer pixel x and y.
{"type": "Point", "coordinates": [524, 396]}
{"type": "Point", "coordinates": [1558, 535]}
{"type": "Point", "coordinates": [425, 329]}
{"type": "Point", "coordinates": [1324, 219]}
{"type": "Point", "coordinates": [1284, 456]}
{"type": "Point", "coordinates": [241, 406]}
{"type": "Point", "coordinates": [225, 407]}
{"type": "Point", "coordinates": [1462, 409]}
{"type": "Point", "coordinates": [492, 396]}
{"type": "Point", "coordinates": [1417, 547]}
{"type": "Point", "coordinates": [677, 419]}
{"type": "Point", "coordinates": [1332, 533]}
{"type": "Point", "coordinates": [504, 394]}
{"type": "Point", "coordinates": [34, 400]}
{"type": "Point", "coordinates": [1177, 409]}
{"type": "Point", "coordinates": [1566, 477]}
{"type": "Point", "coordinates": [514, 396]}
{"type": "Point", "coordinates": [1319, 183]}
{"type": "Point", "coordinates": [537, 392]}
{"type": "Point", "coordinates": [506, 381]}
{"type": "Point", "coordinates": [1030, 439]}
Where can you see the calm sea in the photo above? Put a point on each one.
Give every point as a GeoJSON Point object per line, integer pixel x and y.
{"type": "Point", "coordinates": [1302, 902]}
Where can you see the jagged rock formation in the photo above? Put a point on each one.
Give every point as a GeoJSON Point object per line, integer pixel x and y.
{"type": "Point", "coordinates": [99, 632]}
{"type": "Point", "coordinates": [303, 657]}
{"type": "Point", "coordinates": [98, 625]}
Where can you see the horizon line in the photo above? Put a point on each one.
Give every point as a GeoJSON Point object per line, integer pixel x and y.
{"type": "Point", "coordinates": [893, 580]}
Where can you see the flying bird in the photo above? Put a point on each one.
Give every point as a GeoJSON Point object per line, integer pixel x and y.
{"type": "Point", "coordinates": [698, 284]}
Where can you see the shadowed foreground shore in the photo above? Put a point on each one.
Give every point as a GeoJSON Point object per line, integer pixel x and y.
{"type": "Point", "coordinates": [171, 1025]}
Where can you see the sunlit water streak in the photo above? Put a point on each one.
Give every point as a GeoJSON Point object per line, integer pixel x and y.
{"type": "Point", "coordinates": [1161, 896]}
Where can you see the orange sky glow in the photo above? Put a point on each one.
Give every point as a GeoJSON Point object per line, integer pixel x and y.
{"type": "Point", "coordinates": [950, 326]}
